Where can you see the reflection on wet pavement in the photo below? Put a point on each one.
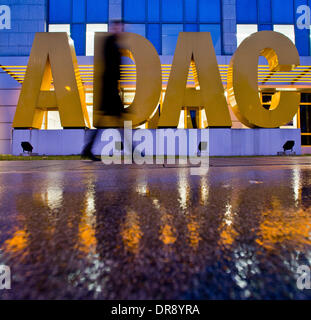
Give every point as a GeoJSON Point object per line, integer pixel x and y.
{"type": "Point", "coordinates": [78, 230]}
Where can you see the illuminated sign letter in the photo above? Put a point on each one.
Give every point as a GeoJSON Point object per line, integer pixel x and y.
{"type": "Point", "coordinates": [196, 48]}
{"type": "Point", "coordinates": [148, 80]}
{"type": "Point", "coordinates": [242, 83]}
{"type": "Point", "coordinates": [52, 57]}
{"type": "Point", "coordinates": [5, 17]}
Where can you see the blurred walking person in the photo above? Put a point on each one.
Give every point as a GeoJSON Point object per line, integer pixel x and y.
{"type": "Point", "coordinates": [111, 103]}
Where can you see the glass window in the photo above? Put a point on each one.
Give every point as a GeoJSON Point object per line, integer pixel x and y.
{"type": "Point", "coordinates": [54, 120]}
{"type": "Point", "coordinates": [190, 11]}
{"type": "Point", "coordinates": [215, 31]}
{"type": "Point", "coordinates": [96, 11]}
{"type": "Point", "coordinates": [181, 123]}
{"type": "Point", "coordinates": [305, 140]}
{"type": "Point", "coordinates": [305, 119]}
{"type": "Point", "coordinates": [153, 10]}
{"type": "Point", "coordinates": [264, 10]}
{"type": "Point", "coordinates": [78, 11]}
{"type": "Point", "coordinates": [305, 98]}
{"type": "Point", "coordinates": [90, 33]}
{"type": "Point", "coordinates": [135, 28]}
{"type": "Point", "coordinates": [59, 28]}
{"type": "Point", "coordinates": [78, 36]}
{"type": "Point", "coordinates": [59, 11]}
{"type": "Point", "coordinates": [194, 118]}
{"type": "Point", "coordinates": [282, 11]}
{"type": "Point", "coordinates": [262, 27]}
{"type": "Point", "coordinates": [287, 30]}
{"type": "Point", "coordinates": [172, 10]}
{"type": "Point", "coordinates": [244, 31]}
{"type": "Point", "coordinates": [246, 11]}
{"type": "Point", "coordinates": [302, 41]}
{"type": "Point", "coordinates": [210, 11]}
{"type": "Point", "coordinates": [134, 10]}
{"type": "Point", "coordinates": [154, 35]}
{"type": "Point", "coordinates": [266, 98]}
{"type": "Point", "coordinates": [170, 34]}
{"type": "Point", "coordinates": [191, 27]}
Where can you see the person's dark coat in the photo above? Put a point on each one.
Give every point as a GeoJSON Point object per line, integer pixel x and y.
{"type": "Point", "coordinates": [111, 103]}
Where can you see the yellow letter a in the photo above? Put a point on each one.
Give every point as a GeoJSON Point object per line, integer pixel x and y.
{"type": "Point", "coordinates": [52, 54]}
{"type": "Point", "coordinates": [195, 47]}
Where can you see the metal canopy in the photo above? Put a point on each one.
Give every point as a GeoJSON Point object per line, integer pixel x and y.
{"type": "Point", "coordinates": [300, 76]}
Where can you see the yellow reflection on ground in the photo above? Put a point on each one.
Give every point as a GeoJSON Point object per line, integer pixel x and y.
{"type": "Point", "coordinates": [194, 232]}
{"type": "Point", "coordinates": [87, 237]}
{"type": "Point", "coordinates": [131, 232]}
{"type": "Point", "coordinates": [17, 243]}
{"type": "Point", "coordinates": [228, 233]}
{"type": "Point", "coordinates": [167, 234]}
{"type": "Point", "coordinates": [280, 226]}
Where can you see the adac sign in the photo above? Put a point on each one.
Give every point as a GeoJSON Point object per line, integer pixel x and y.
{"type": "Point", "coordinates": [53, 57]}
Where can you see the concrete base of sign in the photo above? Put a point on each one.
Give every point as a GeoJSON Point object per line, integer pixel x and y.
{"type": "Point", "coordinates": [31, 154]}
{"type": "Point", "coordinates": [286, 153]}
{"type": "Point", "coordinates": [222, 142]}
{"type": "Point", "coordinates": [306, 150]}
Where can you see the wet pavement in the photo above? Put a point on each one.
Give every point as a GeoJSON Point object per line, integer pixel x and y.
{"type": "Point", "coordinates": [82, 230]}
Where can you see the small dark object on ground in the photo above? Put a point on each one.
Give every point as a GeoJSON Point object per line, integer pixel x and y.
{"type": "Point", "coordinates": [289, 145]}
{"type": "Point", "coordinates": [27, 147]}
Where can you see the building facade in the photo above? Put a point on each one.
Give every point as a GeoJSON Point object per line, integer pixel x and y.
{"type": "Point", "coordinates": [160, 21]}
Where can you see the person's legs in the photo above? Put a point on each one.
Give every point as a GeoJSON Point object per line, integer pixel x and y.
{"type": "Point", "coordinates": [87, 150]}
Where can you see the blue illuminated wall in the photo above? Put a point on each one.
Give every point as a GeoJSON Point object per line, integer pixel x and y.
{"type": "Point", "coordinates": [158, 20]}
{"type": "Point", "coordinates": [78, 13]}
{"type": "Point", "coordinates": [267, 13]}
{"type": "Point", "coordinates": [163, 20]}
{"type": "Point", "coordinates": [27, 18]}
